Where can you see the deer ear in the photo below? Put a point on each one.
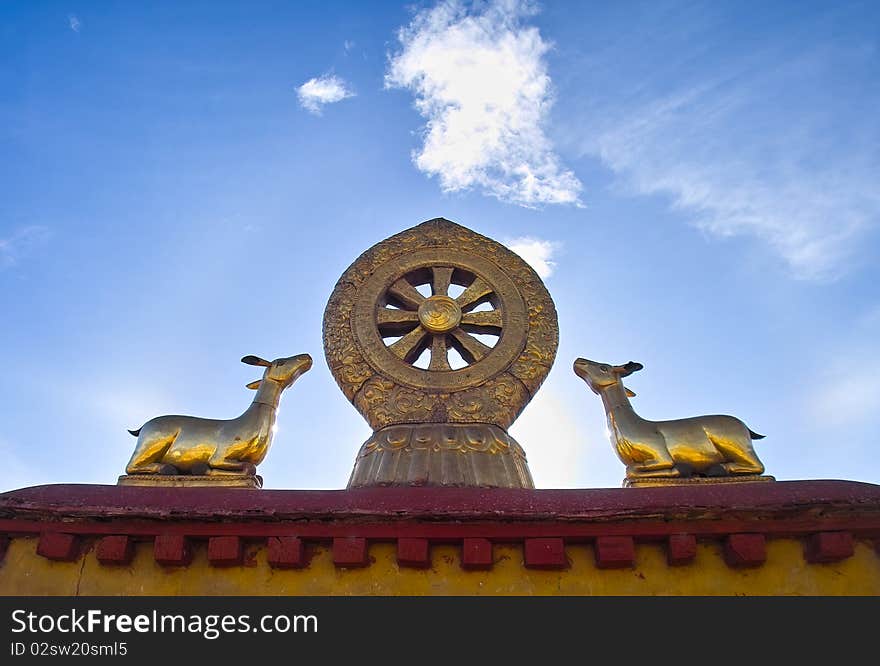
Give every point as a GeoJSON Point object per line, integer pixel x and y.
{"type": "Point", "coordinates": [632, 367]}
{"type": "Point", "coordinates": [629, 394]}
{"type": "Point", "coordinates": [256, 360]}
{"type": "Point", "coordinates": [253, 386]}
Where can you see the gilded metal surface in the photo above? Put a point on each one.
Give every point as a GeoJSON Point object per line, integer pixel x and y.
{"type": "Point", "coordinates": [175, 445]}
{"type": "Point", "coordinates": [659, 482]}
{"type": "Point", "coordinates": [713, 446]}
{"type": "Point", "coordinates": [375, 324]}
{"type": "Point", "coordinates": [414, 307]}
{"type": "Point", "coordinates": [433, 454]}
{"type": "Point", "coordinates": [192, 480]}
{"type": "Point", "coordinates": [439, 314]}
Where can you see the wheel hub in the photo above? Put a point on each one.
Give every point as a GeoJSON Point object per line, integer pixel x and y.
{"type": "Point", "coordinates": [439, 314]}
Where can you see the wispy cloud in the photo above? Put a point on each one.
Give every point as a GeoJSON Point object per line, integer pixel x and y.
{"type": "Point", "coordinates": [537, 252]}
{"type": "Point", "coordinates": [348, 45]}
{"type": "Point", "coordinates": [480, 79]}
{"type": "Point", "coordinates": [16, 246]}
{"type": "Point", "coordinates": [322, 90]}
{"type": "Point", "coordinates": [74, 22]}
{"type": "Point", "coordinates": [682, 147]}
{"type": "Point", "coordinates": [774, 144]}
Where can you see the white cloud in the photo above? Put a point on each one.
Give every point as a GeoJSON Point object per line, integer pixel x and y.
{"type": "Point", "coordinates": [774, 144]}
{"type": "Point", "coordinates": [348, 45]}
{"type": "Point", "coordinates": [327, 89]}
{"type": "Point", "coordinates": [680, 147]}
{"type": "Point", "coordinates": [480, 79]}
{"type": "Point", "coordinates": [555, 447]}
{"type": "Point", "coordinates": [562, 432]}
{"type": "Point", "coordinates": [74, 22]}
{"type": "Point", "coordinates": [537, 252]}
{"type": "Point", "coordinates": [20, 242]}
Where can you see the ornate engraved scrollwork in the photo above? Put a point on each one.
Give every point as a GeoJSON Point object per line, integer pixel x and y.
{"type": "Point", "coordinates": [440, 325]}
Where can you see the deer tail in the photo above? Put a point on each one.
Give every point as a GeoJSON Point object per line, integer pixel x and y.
{"type": "Point", "coordinates": [755, 435]}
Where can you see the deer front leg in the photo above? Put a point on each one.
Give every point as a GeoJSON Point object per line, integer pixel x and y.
{"type": "Point", "coordinates": [744, 468]}
{"type": "Point", "coordinates": [647, 459]}
{"type": "Point", "coordinates": [221, 467]}
{"type": "Point", "coordinates": [153, 468]}
{"type": "Point", "coordinates": [653, 469]}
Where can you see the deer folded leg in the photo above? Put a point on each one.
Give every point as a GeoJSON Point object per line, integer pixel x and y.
{"type": "Point", "coordinates": [152, 468]}
{"type": "Point", "coordinates": [740, 468]}
{"type": "Point", "coordinates": [641, 473]}
{"type": "Point", "coordinates": [220, 467]}
{"type": "Point", "coordinates": [147, 457]}
{"type": "Point", "coordinates": [646, 458]}
{"type": "Point", "coordinates": [741, 458]}
{"type": "Point", "coordinates": [653, 469]}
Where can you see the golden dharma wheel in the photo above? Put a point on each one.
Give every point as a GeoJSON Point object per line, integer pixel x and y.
{"type": "Point", "coordinates": [396, 323]}
{"type": "Point", "coordinates": [440, 336]}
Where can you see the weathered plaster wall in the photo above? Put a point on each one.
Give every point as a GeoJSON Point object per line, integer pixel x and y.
{"type": "Point", "coordinates": [785, 571]}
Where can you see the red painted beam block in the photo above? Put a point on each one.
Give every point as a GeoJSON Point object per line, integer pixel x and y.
{"type": "Point", "coordinates": [681, 549]}
{"type": "Point", "coordinates": [58, 546]}
{"type": "Point", "coordinates": [413, 553]}
{"type": "Point", "coordinates": [615, 552]}
{"type": "Point", "coordinates": [745, 550]}
{"type": "Point", "coordinates": [286, 553]}
{"type": "Point", "coordinates": [115, 550]}
{"type": "Point", "coordinates": [476, 554]}
{"type": "Point", "coordinates": [829, 547]}
{"type": "Point", "coordinates": [350, 552]}
{"type": "Point", "coordinates": [172, 550]}
{"type": "Point", "coordinates": [225, 551]}
{"type": "Point", "coordinates": [545, 553]}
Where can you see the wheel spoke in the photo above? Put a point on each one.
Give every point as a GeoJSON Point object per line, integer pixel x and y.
{"type": "Point", "coordinates": [442, 279]}
{"type": "Point", "coordinates": [411, 345]}
{"type": "Point", "coordinates": [407, 295]}
{"type": "Point", "coordinates": [482, 322]}
{"type": "Point", "coordinates": [471, 349]}
{"type": "Point", "coordinates": [475, 294]}
{"type": "Point", "coordinates": [439, 360]}
{"type": "Point", "coordinates": [395, 322]}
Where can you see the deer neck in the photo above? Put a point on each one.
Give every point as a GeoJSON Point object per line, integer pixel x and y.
{"type": "Point", "coordinates": [618, 409]}
{"type": "Point", "coordinates": [268, 395]}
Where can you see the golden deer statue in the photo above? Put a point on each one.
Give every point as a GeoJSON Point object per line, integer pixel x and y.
{"type": "Point", "coordinates": [191, 445]}
{"type": "Point", "coordinates": [706, 445]}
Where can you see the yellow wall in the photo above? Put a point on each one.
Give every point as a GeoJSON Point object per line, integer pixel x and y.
{"type": "Point", "coordinates": [23, 572]}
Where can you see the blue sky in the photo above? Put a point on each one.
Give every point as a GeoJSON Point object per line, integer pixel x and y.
{"type": "Point", "coordinates": [181, 184]}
